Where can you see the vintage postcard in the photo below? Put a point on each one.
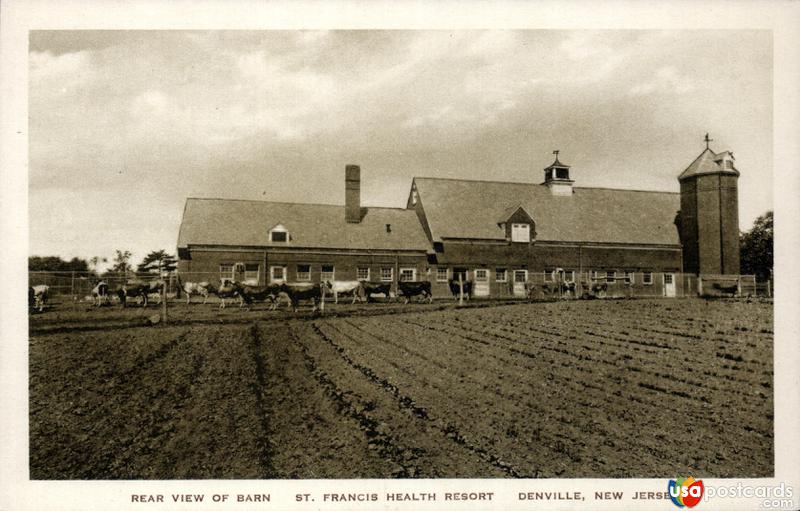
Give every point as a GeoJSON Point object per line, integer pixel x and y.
{"type": "Point", "coordinates": [331, 256]}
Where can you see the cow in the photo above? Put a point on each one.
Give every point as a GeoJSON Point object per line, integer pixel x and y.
{"type": "Point", "coordinates": [565, 288]}
{"type": "Point", "coordinates": [100, 294]}
{"type": "Point", "coordinates": [250, 294]}
{"type": "Point", "coordinates": [370, 289]}
{"type": "Point", "coordinates": [228, 289]}
{"type": "Point", "coordinates": [195, 288]}
{"type": "Point", "coordinates": [41, 294]}
{"type": "Point", "coordinates": [419, 288]}
{"type": "Point", "coordinates": [313, 292]}
{"type": "Point", "coordinates": [343, 287]}
{"type": "Point", "coordinates": [133, 288]}
{"type": "Point", "coordinates": [530, 290]}
{"type": "Point", "coordinates": [455, 288]}
{"type": "Point", "coordinates": [141, 289]}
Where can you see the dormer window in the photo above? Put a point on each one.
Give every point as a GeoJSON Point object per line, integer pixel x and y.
{"type": "Point", "coordinates": [520, 233]}
{"type": "Point", "coordinates": [278, 234]}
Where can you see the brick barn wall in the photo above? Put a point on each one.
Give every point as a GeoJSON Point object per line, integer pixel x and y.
{"type": "Point", "coordinates": [204, 264]}
{"type": "Point", "coordinates": [541, 256]}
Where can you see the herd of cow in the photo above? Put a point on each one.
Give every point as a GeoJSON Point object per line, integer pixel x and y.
{"type": "Point", "coordinates": [291, 293]}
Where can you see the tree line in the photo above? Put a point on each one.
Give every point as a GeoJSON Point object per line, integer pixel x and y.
{"type": "Point", "coordinates": [156, 262]}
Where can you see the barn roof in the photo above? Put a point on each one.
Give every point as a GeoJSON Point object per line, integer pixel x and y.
{"type": "Point", "coordinates": [707, 163]}
{"type": "Point", "coordinates": [247, 223]}
{"type": "Point", "coordinates": [458, 208]}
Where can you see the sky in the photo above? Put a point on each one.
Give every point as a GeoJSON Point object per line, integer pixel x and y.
{"type": "Point", "coordinates": [125, 125]}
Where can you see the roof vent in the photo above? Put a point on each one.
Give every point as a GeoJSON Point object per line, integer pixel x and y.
{"type": "Point", "coordinates": [388, 227]}
{"type": "Point", "coordinates": [556, 177]}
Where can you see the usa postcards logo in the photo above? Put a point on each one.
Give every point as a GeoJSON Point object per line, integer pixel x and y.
{"type": "Point", "coordinates": [685, 492]}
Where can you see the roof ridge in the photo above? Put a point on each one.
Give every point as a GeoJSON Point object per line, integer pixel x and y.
{"type": "Point", "coordinates": [475, 180]}
{"type": "Point", "coordinates": [289, 203]}
{"type": "Point", "coordinates": [623, 189]}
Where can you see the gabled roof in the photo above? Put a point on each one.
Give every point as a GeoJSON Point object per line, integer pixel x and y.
{"type": "Point", "coordinates": [458, 208]}
{"type": "Point", "coordinates": [247, 223]}
{"type": "Point", "coordinates": [510, 211]}
{"type": "Point", "coordinates": [707, 163]}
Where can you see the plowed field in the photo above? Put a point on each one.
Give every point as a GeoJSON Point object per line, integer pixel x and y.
{"type": "Point", "coordinates": [644, 388]}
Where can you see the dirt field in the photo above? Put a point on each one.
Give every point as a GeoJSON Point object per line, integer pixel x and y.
{"type": "Point", "coordinates": [641, 388]}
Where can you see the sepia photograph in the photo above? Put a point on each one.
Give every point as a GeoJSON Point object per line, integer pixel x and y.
{"type": "Point", "coordinates": [415, 254]}
{"type": "Point", "coordinates": [376, 254]}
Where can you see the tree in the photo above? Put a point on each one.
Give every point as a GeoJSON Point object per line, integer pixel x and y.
{"type": "Point", "coordinates": [55, 263]}
{"type": "Point", "coordinates": [755, 247]}
{"type": "Point", "coordinates": [157, 262]}
{"type": "Point", "coordinates": [122, 262]}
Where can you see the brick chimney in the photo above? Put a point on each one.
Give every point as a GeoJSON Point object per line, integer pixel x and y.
{"type": "Point", "coordinates": [352, 194]}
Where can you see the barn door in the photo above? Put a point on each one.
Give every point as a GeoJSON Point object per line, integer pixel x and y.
{"type": "Point", "coordinates": [520, 278]}
{"type": "Point", "coordinates": [481, 282]}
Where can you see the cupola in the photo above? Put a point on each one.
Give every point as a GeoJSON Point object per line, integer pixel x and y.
{"type": "Point", "coordinates": [556, 177]}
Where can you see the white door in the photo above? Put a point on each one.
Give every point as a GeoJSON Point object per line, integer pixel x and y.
{"type": "Point", "coordinates": [481, 282]}
{"type": "Point", "coordinates": [669, 284]}
{"type": "Point", "coordinates": [520, 278]}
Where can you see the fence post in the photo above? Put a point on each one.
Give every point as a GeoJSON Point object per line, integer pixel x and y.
{"type": "Point", "coordinates": [769, 289]}
{"type": "Point", "coordinates": [72, 286]}
{"type": "Point", "coordinates": [460, 289]}
{"type": "Point", "coordinates": [164, 301]}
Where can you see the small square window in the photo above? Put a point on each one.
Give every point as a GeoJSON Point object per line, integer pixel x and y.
{"type": "Point", "coordinates": [362, 274]}
{"type": "Point", "coordinates": [441, 274]}
{"type": "Point", "coordinates": [611, 277]}
{"type": "Point", "coordinates": [277, 273]}
{"type": "Point", "coordinates": [225, 273]}
{"type": "Point", "coordinates": [328, 272]}
{"type": "Point", "coordinates": [387, 274]}
{"type": "Point", "coordinates": [501, 275]}
{"type": "Point", "coordinates": [569, 275]}
{"type": "Point", "coordinates": [549, 275]}
{"type": "Point", "coordinates": [647, 277]}
{"type": "Point", "coordinates": [303, 272]}
{"type": "Point", "coordinates": [629, 277]}
{"type": "Point", "coordinates": [408, 274]}
{"type": "Point", "coordinates": [251, 274]}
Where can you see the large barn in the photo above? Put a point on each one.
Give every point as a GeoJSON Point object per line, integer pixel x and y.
{"type": "Point", "coordinates": [497, 235]}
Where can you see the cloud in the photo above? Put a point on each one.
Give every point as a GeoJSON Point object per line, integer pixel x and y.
{"type": "Point", "coordinates": [666, 80]}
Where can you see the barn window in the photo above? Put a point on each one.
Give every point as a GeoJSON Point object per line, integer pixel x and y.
{"type": "Point", "coordinates": [629, 277]}
{"type": "Point", "coordinates": [520, 233]}
{"type": "Point", "coordinates": [362, 274]}
{"type": "Point", "coordinates": [225, 273]}
{"type": "Point", "coordinates": [387, 274]}
{"type": "Point", "coordinates": [303, 272]}
{"type": "Point", "coordinates": [611, 277]}
{"type": "Point", "coordinates": [647, 277]}
{"type": "Point", "coordinates": [549, 275]}
{"type": "Point", "coordinates": [328, 272]}
{"type": "Point", "coordinates": [251, 273]}
{"type": "Point", "coordinates": [500, 275]}
{"type": "Point", "coordinates": [569, 275]}
{"type": "Point", "coordinates": [562, 174]}
{"type": "Point", "coordinates": [481, 275]}
{"type": "Point", "coordinates": [408, 274]}
{"type": "Point", "coordinates": [441, 274]}
{"type": "Point", "coordinates": [277, 273]}
{"type": "Point", "coordinates": [279, 234]}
